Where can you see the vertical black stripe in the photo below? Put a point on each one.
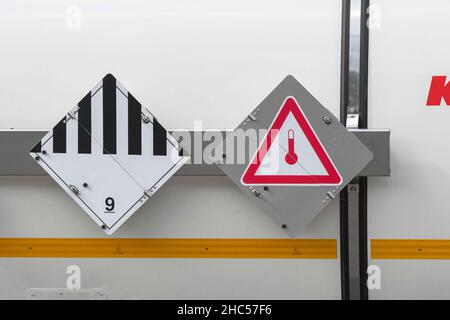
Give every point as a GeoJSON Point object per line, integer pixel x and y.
{"type": "Point", "coordinates": [159, 139]}
{"type": "Point", "coordinates": [359, 79]}
{"type": "Point", "coordinates": [343, 205]}
{"type": "Point", "coordinates": [84, 125]}
{"type": "Point", "coordinates": [109, 115]}
{"type": "Point", "coordinates": [37, 148]}
{"type": "Point", "coordinates": [134, 126]}
{"type": "Point", "coordinates": [60, 137]}
{"type": "Point", "coordinates": [363, 242]}
{"type": "Point", "coordinates": [363, 118]}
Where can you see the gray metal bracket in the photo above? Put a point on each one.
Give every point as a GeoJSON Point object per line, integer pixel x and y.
{"type": "Point", "coordinates": [16, 144]}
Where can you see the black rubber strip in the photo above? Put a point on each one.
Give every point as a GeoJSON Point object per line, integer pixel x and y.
{"type": "Point", "coordinates": [363, 118]}
{"type": "Point", "coordinates": [343, 205]}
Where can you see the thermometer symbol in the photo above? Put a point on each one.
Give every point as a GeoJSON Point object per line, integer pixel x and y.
{"type": "Point", "coordinates": [291, 157]}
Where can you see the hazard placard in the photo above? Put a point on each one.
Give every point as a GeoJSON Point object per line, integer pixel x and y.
{"type": "Point", "coordinates": [291, 153]}
{"type": "Point", "coordinates": [303, 157]}
{"type": "Point", "coordinates": [109, 154]}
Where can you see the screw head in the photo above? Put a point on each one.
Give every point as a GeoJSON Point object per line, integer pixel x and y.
{"type": "Point", "coordinates": [327, 120]}
{"type": "Point", "coordinates": [85, 185]}
{"type": "Point", "coordinates": [266, 188]}
{"type": "Point", "coordinates": [103, 227]}
{"type": "Point", "coordinates": [37, 158]}
{"type": "Point", "coordinates": [44, 152]}
{"type": "Point", "coordinates": [284, 226]}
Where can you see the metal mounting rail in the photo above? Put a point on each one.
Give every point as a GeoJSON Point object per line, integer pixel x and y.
{"type": "Point", "coordinates": [16, 145]}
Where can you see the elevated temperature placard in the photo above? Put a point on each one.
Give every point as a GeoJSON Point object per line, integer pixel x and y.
{"type": "Point", "coordinates": [291, 153]}
{"type": "Point", "coordinates": [303, 157]}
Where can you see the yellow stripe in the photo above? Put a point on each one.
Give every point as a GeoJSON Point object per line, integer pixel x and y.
{"type": "Point", "coordinates": [410, 249]}
{"type": "Point", "coordinates": [168, 248]}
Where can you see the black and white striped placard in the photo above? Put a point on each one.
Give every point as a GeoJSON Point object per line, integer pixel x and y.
{"type": "Point", "coordinates": [120, 126]}
{"type": "Point", "coordinates": [109, 154]}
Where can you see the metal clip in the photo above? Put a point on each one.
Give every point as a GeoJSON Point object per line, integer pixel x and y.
{"type": "Point", "coordinates": [74, 189]}
{"type": "Point", "coordinates": [145, 119]}
{"type": "Point", "coordinates": [148, 193]}
{"type": "Point", "coordinates": [331, 195]}
{"type": "Point", "coordinates": [255, 192]}
{"type": "Point", "coordinates": [70, 115]}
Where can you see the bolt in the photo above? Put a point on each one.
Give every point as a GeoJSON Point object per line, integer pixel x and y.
{"type": "Point", "coordinates": [85, 185]}
{"type": "Point", "coordinates": [44, 152]}
{"type": "Point", "coordinates": [37, 158]}
{"type": "Point", "coordinates": [266, 188]}
{"type": "Point", "coordinates": [327, 120]}
{"type": "Point", "coordinates": [103, 227]}
{"type": "Point", "coordinates": [284, 226]}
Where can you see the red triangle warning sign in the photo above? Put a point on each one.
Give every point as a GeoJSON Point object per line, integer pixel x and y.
{"type": "Point", "coordinates": [291, 153]}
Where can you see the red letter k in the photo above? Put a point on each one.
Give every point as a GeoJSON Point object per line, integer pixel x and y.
{"type": "Point", "coordinates": [438, 91]}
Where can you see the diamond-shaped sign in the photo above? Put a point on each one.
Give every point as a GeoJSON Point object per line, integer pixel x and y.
{"type": "Point", "coordinates": [109, 154]}
{"type": "Point", "coordinates": [304, 156]}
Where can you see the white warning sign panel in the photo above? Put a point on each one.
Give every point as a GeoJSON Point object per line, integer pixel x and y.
{"type": "Point", "coordinates": [110, 154]}
{"type": "Point", "coordinates": [291, 153]}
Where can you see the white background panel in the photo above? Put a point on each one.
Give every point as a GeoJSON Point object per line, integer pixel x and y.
{"type": "Point", "coordinates": [209, 60]}
{"type": "Point", "coordinates": [184, 60]}
{"type": "Point", "coordinates": [166, 279]}
{"type": "Point", "coordinates": [407, 50]}
{"type": "Point", "coordinates": [214, 208]}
